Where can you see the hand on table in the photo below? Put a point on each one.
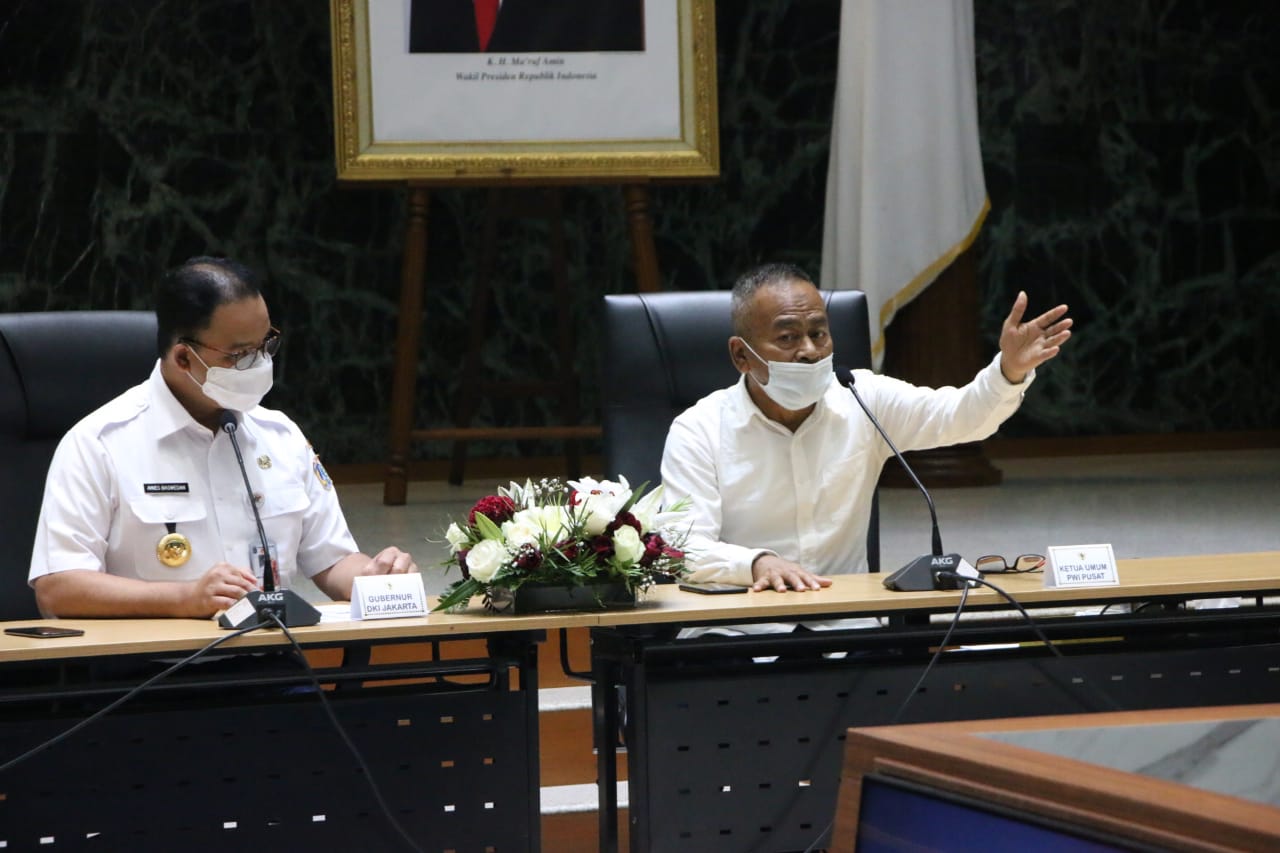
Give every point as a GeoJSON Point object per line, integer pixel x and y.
{"type": "Point", "coordinates": [773, 572]}
{"type": "Point", "coordinates": [389, 561]}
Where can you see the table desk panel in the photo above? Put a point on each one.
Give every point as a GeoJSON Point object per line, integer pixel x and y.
{"type": "Point", "coordinates": [735, 743]}
{"type": "Point", "coordinates": [239, 753]}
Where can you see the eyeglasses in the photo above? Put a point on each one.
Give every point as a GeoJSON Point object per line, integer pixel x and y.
{"type": "Point", "coordinates": [244, 359]}
{"type": "Point", "coordinates": [994, 563]}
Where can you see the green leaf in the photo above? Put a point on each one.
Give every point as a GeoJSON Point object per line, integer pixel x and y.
{"type": "Point", "coordinates": [487, 528]}
{"type": "Point", "coordinates": [460, 593]}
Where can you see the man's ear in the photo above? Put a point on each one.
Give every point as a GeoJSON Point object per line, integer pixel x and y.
{"type": "Point", "coordinates": [181, 355]}
{"type": "Point", "coordinates": [738, 355]}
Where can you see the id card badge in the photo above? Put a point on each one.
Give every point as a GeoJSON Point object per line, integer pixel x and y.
{"type": "Point", "coordinates": [255, 560]}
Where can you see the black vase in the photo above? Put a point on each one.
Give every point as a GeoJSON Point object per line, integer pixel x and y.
{"type": "Point", "coordinates": [546, 598]}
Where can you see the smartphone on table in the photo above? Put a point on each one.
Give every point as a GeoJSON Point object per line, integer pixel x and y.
{"type": "Point", "coordinates": [712, 588]}
{"type": "Point", "coordinates": [43, 632]}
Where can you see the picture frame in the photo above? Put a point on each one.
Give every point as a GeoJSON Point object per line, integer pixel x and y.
{"type": "Point", "coordinates": [635, 106]}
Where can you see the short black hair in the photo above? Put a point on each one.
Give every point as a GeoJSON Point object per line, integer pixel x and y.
{"type": "Point", "coordinates": [765, 275]}
{"type": "Point", "coordinates": [187, 296]}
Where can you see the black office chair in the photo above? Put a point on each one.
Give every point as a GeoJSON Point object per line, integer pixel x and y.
{"type": "Point", "coordinates": [665, 351]}
{"type": "Point", "coordinates": [55, 368]}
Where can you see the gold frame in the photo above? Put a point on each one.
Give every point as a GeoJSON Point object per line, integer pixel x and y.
{"type": "Point", "coordinates": [695, 154]}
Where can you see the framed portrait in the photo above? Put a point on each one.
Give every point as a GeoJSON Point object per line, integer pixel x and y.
{"type": "Point", "coordinates": [524, 91]}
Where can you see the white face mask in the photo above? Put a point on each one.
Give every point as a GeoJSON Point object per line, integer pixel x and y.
{"type": "Point", "coordinates": [237, 390]}
{"type": "Point", "coordinates": [794, 385]}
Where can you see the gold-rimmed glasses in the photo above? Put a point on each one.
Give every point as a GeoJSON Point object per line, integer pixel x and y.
{"type": "Point", "coordinates": [244, 359]}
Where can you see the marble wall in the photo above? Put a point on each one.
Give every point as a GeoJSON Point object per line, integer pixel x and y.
{"type": "Point", "coordinates": [1132, 154]}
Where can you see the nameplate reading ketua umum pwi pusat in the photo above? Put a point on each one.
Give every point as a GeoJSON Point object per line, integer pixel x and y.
{"type": "Point", "coordinates": [1081, 565]}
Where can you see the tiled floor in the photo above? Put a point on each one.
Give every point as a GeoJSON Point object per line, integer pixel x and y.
{"type": "Point", "coordinates": [1143, 504]}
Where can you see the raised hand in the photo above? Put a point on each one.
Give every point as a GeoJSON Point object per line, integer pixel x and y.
{"type": "Point", "coordinates": [1027, 345]}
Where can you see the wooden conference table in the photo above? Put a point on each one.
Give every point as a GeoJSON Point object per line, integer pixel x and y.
{"type": "Point", "coordinates": [239, 753]}
{"type": "Point", "coordinates": [725, 751]}
{"type": "Point", "coordinates": [734, 743]}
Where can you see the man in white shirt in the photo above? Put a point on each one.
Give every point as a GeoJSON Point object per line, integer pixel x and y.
{"type": "Point", "coordinates": [781, 468]}
{"type": "Point", "coordinates": [145, 511]}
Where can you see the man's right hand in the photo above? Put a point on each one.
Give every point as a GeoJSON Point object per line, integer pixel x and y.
{"type": "Point", "coordinates": [773, 572]}
{"type": "Point", "coordinates": [217, 589]}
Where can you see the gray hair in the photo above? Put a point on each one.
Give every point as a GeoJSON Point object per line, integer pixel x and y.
{"type": "Point", "coordinates": [765, 275]}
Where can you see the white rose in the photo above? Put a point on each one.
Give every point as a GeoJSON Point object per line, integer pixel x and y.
{"type": "Point", "coordinates": [554, 521]}
{"type": "Point", "coordinates": [457, 538]}
{"type": "Point", "coordinates": [627, 547]}
{"type": "Point", "coordinates": [530, 526]}
{"type": "Point", "coordinates": [484, 560]}
{"type": "Point", "coordinates": [522, 529]}
{"type": "Point", "coordinates": [595, 517]}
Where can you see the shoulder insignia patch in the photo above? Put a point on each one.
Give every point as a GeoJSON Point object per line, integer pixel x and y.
{"type": "Point", "coordinates": [321, 474]}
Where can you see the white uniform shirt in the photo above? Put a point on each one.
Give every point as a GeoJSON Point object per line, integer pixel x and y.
{"type": "Point", "coordinates": [756, 487]}
{"type": "Point", "coordinates": [141, 464]}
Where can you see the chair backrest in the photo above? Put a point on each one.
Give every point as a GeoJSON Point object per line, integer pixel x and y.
{"type": "Point", "coordinates": [55, 368]}
{"type": "Point", "coordinates": [663, 352]}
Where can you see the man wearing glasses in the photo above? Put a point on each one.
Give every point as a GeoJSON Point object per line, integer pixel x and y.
{"type": "Point", "coordinates": [145, 512]}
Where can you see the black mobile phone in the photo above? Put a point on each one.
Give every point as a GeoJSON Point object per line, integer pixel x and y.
{"type": "Point", "coordinates": [43, 631]}
{"type": "Point", "coordinates": [712, 588]}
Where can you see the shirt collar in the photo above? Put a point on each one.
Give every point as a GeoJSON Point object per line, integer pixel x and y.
{"type": "Point", "coordinates": [170, 416]}
{"type": "Point", "coordinates": [743, 409]}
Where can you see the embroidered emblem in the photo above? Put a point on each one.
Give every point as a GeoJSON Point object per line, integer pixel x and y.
{"type": "Point", "coordinates": [321, 474]}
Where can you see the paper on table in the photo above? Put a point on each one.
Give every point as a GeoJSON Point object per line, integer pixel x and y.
{"type": "Point", "coordinates": [334, 612]}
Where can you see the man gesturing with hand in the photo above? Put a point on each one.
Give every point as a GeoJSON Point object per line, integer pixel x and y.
{"type": "Point", "coordinates": [781, 467]}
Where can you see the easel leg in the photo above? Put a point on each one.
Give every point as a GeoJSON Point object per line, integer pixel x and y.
{"type": "Point", "coordinates": [408, 331]}
{"type": "Point", "coordinates": [644, 256]}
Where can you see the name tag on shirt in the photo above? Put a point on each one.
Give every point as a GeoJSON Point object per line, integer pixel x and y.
{"type": "Point", "coordinates": [388, 596]}
{"type": "Point", "coordinates": [166, 488]}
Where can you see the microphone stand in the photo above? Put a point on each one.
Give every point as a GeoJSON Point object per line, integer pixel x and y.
{"type": "Point", "coordinates": [922, 573]}
{"type": "Point", "coordinates": [269, 604]}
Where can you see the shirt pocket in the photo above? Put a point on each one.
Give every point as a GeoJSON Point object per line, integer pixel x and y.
{"type": "Point", "coordinates": [150, 517]}
{"type": "Point", "coordinates": [284, 511]}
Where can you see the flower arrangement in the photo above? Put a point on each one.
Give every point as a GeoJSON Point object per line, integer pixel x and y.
{"type": "Point", "coordinates": [573, 534]}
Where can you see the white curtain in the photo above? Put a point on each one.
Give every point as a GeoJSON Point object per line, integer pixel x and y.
{"type": "Point", "coordinates": [905, 192]}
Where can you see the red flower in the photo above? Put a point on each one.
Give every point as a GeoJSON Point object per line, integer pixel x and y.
{"type": "Point", "coordinates": [496, 508]}
{"type": "Point", "coordinates": [569, 548]}
{"type": "Point", "coordinates": [603, 546]}
{"type": "Point", "coordinates": [621, 519]}
{"type": "Point", "coordinates": [653, 549]}
{"type": "Point", "coordinates": [529, 558]}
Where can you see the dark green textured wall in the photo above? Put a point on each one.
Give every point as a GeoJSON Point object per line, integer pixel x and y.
{"type": "Point", "coordinates": [1132, 154]}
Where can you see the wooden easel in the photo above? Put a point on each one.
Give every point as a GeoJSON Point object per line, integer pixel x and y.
{"type": "Point", "coordinates": [413, 282]}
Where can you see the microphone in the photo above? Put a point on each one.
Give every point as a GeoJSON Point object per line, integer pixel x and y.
{"type": "Point", "coordinates": [935, 570]}
{"type": "Point", "coordinates": [284, 604]}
